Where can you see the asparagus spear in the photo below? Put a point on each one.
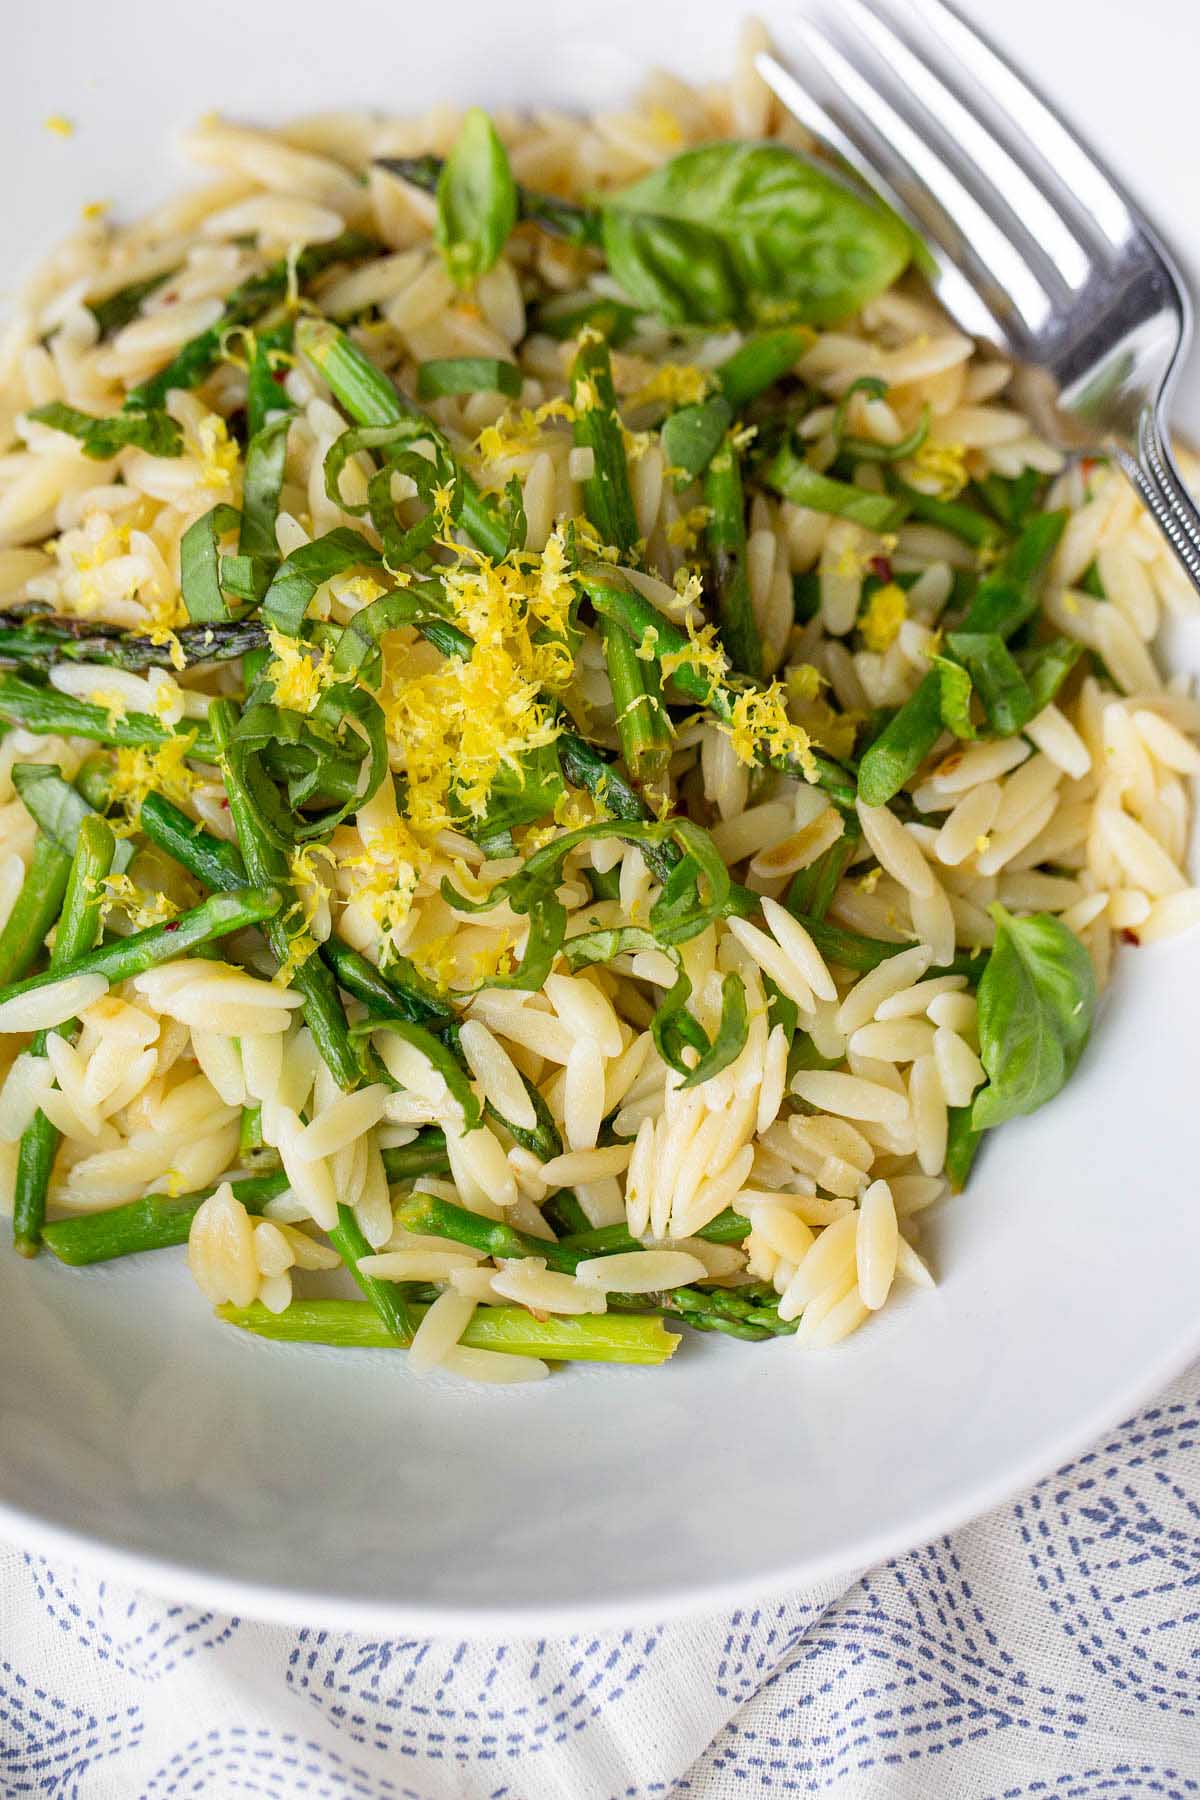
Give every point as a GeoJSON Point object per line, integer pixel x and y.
{"type": "Point", "coordinates": [386, 1297]}
{"type": "Point", "coordinates": [642, 723]}
{"type": "Point", "coordinates": [729, 1227]}
{"type": "Point", "coordinates": [157, 1221]}
{"type": "Point", "coordinates": [738, 1312]}
{"type": "Point", "coordinates": [40, 641]}
{"type": "Point", "coordinates": [1003, 601]}
{"type": "Point", "coordinates": [726, 537]}
{"type": "Point", "coordinates": [37, 907]}
{"type": "Point", "coordinates": [44, 709]}
{"type": "Point", "coordinates": [214, 861]}
{"type": "Point", "coordinates": [266, 863]}
{"type": "Point", "coordinates": [798, 482]}
{"type": "Point", "coordinates": [126, 957]}
{"type": "Point", "coordinates": [77, 929]}
{"type": "Point", "coordinates": [642, 622]}
{"type": "Point", "coordinates": [954, 516]}
{"type": "Point", "coordinates": [592, 1337]}
{"type": "Point", "coordinates": [152, 1223]}
{"type": "Point", "coordinates": [811, 890]}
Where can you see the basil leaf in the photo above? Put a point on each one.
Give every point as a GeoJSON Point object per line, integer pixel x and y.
{"type": "Point", "coordinates": [196, 359]}
{"type": "Point", "coordinates": [476, 200]}
{"type": "Point", "coordinates": [467, 375]}
{"type": "Point", "coordinates": [750, 233]}
{"type": "Point", "coordinates": [118, 310]}
{"type": "Point", "coordinates": [155, 432]}
{"type": "Point", "coordinates": [519, 796]}
{"type": "Point", "coordinates": [437, 482]}
{"type": "Point", "coordinates": [266, 454]}
{"type": "Point", "coordinates": [998, 681]}
{"type": "Point", "coordinates": [606, 942]}
{"type": "Point", "coordinates": [692, 436]}
{"type": "Point", "coordinates": [60, 809]}
{"type": "Point", "coordinates": [1037, 999]}
{"type": "Point", "coordinates": [264, 394]}
{"type": "Point", "coordinates": [300, 575]}
{"type": "Point", "coordinates": [200, 565]}
{"type": "Point", "coordinates": [732, 1030]}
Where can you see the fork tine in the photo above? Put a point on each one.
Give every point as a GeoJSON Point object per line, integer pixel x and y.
{"type": "Point", "coordinates": [1050, 246]}
{"type": "Point", "coordinates": [948, 213]}
{"type": "Point", "coordinates": [956, 293]}
{"type": "Point", "coordinates": [1077, 168]}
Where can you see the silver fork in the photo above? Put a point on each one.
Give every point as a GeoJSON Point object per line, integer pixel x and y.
{"type": "Point", "coordinates": [1032, 243]}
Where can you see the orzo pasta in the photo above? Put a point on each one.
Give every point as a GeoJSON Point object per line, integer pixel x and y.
{"type": "Point", "coordinates": [567, 748]}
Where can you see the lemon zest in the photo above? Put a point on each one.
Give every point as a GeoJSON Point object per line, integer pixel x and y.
{"type": "Point", "coordinates": [886, 612]}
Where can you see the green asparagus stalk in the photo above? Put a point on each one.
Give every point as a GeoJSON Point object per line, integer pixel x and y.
{"type": "Point", "coordinates": [349, 1324]}
{"type": "Point", "coordinates": [726, 537]}
{"type": "Point", "coordinates": [77, 929]}
{"type": "Point", "coordinates": [266, 863]}
{"type": "Point", "coordinates": [212, 860]}
{"type": "Point", "coordinates": [614, 600]}
{"type": "Point", "coordinates": [800, 483]}
{"type": "Point", "coordinates": [155, 1222]}
{"type": "Point", "coordinates": [158, 1221]}
{"type": "Point", "coordinates": [426, 1155]}
{"type": "Point", "coordinates": [761, 361]}
{"type": "Point", "coordinates": [729, 1227]}
{"type": "Point", "coordinates": [811, 890]}
{"type": "Point", "coordinates": [1003, 602]}
{"type": "Point", "coordinates": [954, 516]}
{"type": "Point", "coordinates": [398, 988]}
{"type": "Point", "coordinates": [126, 957]}
{"type": "Point", "coordinates": [642, 724]}
{"type": "Point", "coordinates": [37, 906]}
{"type": "Point", "coordinates": [386, 1297]}
{"type": "Point", "coordinates": [94, 780]}
{"type": "Point", "coordinates": [44, 709]}
{"type": "Point", "coordinates": [745, 1312]}
{"type": "Point", "coordinates": [41, 641]}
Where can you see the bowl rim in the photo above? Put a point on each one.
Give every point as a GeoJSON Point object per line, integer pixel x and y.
{"type": "Point", "coordinates": [274, 1604]}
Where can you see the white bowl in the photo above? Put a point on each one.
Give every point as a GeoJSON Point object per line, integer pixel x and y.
{"type": "Point", "coordinates": [328, 1488]}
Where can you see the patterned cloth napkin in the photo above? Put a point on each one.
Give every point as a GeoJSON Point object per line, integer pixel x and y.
{"type": "Point", "coordinates": [1051, 1649]}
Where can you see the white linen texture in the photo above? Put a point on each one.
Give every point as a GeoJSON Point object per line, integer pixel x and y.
{"type": "Point", "coordinates": [1050, 1649]}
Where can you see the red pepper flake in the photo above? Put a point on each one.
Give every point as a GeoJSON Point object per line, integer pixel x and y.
{"type": "Point", "coordinates": [279, 376]}
{"type": "Point", "coordinates": [881, 567]}
{"type": "Point", "coordinates": [171, 925]}
{"type": "Point", "coordinates": [1129, 937]}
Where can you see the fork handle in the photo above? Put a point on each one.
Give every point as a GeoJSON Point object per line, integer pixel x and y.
{"type": "Point", "coordinates": [1154, 474]}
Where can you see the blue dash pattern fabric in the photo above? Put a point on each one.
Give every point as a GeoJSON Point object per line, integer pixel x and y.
{"type": "Point", "coordinates": [1050, 1650]}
